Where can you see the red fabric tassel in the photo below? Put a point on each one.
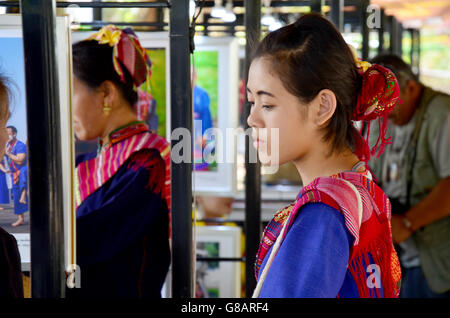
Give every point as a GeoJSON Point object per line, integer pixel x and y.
{"type": "Point", "coordinates": [377, 98]}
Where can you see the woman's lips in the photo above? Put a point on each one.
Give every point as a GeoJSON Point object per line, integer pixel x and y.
{"type": "Point", "coordinates": [257, 143]}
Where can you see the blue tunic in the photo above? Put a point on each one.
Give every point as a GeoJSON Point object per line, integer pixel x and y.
{"type": "Point", "coordinates": [4, 191]}
{"type": "Point", "coordinates": [202, 122]}
{"type": "Point", "coordinates": [202, 110]}
{"type": "Point", "coordinates": [19, 148]}
{"type": "Point", "coordinates": [122, 236]}
{"type": "Point", "coordinates": [23, 183]}
{"type": "Point", "coordinates": [312, 260]}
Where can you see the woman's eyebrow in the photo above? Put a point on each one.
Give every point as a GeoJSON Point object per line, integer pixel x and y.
{"type": "Point", "coordinates": [260, 92]}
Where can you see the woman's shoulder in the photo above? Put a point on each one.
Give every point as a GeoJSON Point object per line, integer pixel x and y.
{"type": "Point", "coordinates": [142, 174]}
{"type": "Point", "coordinates": [317, 211]}
{"type": "Point", "coordinates": [145, 159]}
{"type": "Point", "coordinates": [322, 220]}
{"type": "Point", "coordinates": [147, 167]}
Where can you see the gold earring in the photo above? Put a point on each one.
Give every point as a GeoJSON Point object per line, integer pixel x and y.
{"type": "Point", "coordinates": [106, 108]}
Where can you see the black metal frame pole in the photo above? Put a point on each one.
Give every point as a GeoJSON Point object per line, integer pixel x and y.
{"type": "Point", "coordinates": [415, 51]}
{"type": "Point", "coordinates": [337, 14]}
{"type": "Point", "coordinates": [364, 29]}
{"type": "Point", "coordinates": [316, 5]}
{"type": "Point", "coordinates": [100, 24]}
{"type": "Point", "coordinates": [99, 4]}
{"type": "Point", "coordinates": [381, 31]}
{"type": "Point", "coordinates": [181, 117]}
{"type": "Point", "coordinates": [399, 38]}
{"type": "Point", "coordinates": [97, 12]}
{"type": "Point", "coordinates": [44, 160]}
{"type": "Point", "coordinates": [390, 28]}
{"type": "Point", "coordinates": [394, 36]}
{"type": "Point", "coordinates": [412, 47]}
{"type": "Point", "coordinates": [418, 48]}
{"type": "Point", "coordinates": [252, 21]}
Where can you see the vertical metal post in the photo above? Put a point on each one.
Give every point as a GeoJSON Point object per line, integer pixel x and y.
{"type": "Point", "coordinates": [337, 14]}
{"type": "Point", "coordinates": [381, 31]}
{"type": "Point", "coordinates": [364, 29]}
{"type": "Point", "coordinates": [399, 39]}
{"type": "Point", "coordinates": [412, 47]}
{"type": "Point", "coordinates": [44, 160]}
{"type": "Point", "coordinates": [206, 17]}
{"type": "Point", "coordinates": [418, 52]}
{"type": "Point", "coordinates": [394, 37]}
{"type": "Point", "coordinates": [316, 5]}
{"type": "Point", "coordinates": [252, 21]}
{"type": "Point", "coordinates": [97, 12]}
{"type": "Point", "coordinates": [181, 117]}
{"type": "Point", "coordinates": [390, 27]}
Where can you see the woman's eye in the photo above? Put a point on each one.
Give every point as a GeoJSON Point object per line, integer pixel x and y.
{"type": "Point", "coordinates": [267, 107]}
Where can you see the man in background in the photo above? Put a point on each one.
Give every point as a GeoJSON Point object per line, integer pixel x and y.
{"type": "Point", "coordinates": [414, 172]}
{"type": "Point", "coordinates": [16, 152]}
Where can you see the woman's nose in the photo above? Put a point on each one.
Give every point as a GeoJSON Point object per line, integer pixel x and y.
{"type": "Point", "coordinates": [252, 119]}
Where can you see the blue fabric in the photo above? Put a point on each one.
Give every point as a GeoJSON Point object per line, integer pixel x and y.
{"type": "Point", "coordinates": [122, 237]}
{"type": "Point", "coordinates": [4, 191]}
{"type": "Point", "coordinates": [20, 208]}
{"type": "Point", "coordinates": [23, 179]}
{"type": "Point", "coordinates": [18, 148]}
{"type": "Point", "coordinates": [202, 110]}
{"type": "Point", "coordinates": [312, 261]}
{"type": "Point", "coordinates": [202, 122]}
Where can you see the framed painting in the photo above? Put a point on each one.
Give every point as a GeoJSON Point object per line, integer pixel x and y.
{"type": "Point", "coordinates": [215, 82]}
{"type": "Point", "coordinates": [218, 279]}
{"type": "Point", "coordinates": [12, 66]}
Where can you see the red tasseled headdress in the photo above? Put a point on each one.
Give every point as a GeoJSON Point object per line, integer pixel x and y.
{"type": "Point", "coordinates": [377, 98]}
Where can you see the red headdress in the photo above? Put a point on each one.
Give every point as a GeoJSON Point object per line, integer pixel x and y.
{"type": "Point", "coordinates": [377, 98]}
{"type": "Point", "coordinates": [128, 51]}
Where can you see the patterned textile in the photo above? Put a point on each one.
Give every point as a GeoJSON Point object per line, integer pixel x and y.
{"type": "Point", "coordinates": [377, 98]}
{"type": "Point", "coordinates": [93, 173]}
{"type": "Point", "coordinates": [16, 147]}
{"type": "Point", "coordinates": [367, 213]}
{"type": "Point", "coordinates": [127, 51]}
{"type": "Point", "coordinates": [142, 107]}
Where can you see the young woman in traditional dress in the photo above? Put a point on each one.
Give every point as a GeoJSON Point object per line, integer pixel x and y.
{"type": "Point", "coordinates": [123, 189]}
{"type": "Point", "coordinates": [335, 239]}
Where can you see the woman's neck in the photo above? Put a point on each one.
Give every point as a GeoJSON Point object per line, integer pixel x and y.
{"type": "Point", "coordinates": [119, 118]}
{"type": "Point", "coordinates": [317, 163]}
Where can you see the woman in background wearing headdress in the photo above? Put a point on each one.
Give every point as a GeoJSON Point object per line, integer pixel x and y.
{"type": "Point", "coordinates": [335, 239]}
{"type": "Point", "coordinates": [122, 189]}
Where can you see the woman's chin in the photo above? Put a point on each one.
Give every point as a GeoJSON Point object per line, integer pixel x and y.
{"type": "Point", "coordinates": [267, 159]}
{"type": "Point", "coordinates": [82, 136]}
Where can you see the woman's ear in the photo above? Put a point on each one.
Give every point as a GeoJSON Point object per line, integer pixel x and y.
{"type": "Point", "coordinates": [110, 92]}
{"type": "Point", "coordinates": [324, 107]}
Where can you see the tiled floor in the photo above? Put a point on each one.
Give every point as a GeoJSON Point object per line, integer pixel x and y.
{"type": "Point", "coordinates": [7, 217]}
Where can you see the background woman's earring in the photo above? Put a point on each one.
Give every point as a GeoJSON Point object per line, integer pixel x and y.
{"type": "Point", "coordinates": [106, 109]}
